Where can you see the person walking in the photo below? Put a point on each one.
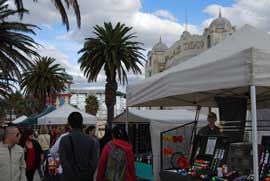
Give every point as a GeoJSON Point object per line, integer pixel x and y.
{"type": "Point", "coordinates": [105, 139]}
{"type": "Point", "coordinates": [12, 164]}
{"type": "Point", "coordinates": [91, 132]}
{"type": "Point", "coordinates": [117, 160]}
{"type": "Point", "coordinates": [78, 153]}
{"type": "Point", "coordinates": [33, 153]}
{"type": "Point", "coordinates": [44, 140]}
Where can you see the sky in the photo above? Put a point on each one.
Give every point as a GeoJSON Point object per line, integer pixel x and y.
{"type": "Point", "coordinates": [150, 19]}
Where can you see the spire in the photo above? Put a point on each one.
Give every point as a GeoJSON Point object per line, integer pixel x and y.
{"type": "Point", "coordinates": [160, 39]}
{"type": "Point", "coordinates": [186, 20]}
{"type": "Point", "coordinates": [219, 15]}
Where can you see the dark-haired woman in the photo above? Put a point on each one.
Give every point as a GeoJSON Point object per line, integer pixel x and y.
{"type": "Point", "coordinates": [33, 153]}
{"type": "Point", "coordinates": [120, 141]}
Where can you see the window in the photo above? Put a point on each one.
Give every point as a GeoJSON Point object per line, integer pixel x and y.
{"type": "Point", "coordinates": [208, 41]}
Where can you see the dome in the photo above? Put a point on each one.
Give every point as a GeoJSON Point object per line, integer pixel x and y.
{"type": "Point", "coordinates": [220, 23]}
{"type": "Point", "coordinates": [186, 35]}
{"type": "Point", "coordinates": [160, 47]}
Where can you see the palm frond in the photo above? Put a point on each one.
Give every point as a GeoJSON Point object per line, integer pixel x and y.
{"type": "Point", "coordinates": [60, 6]}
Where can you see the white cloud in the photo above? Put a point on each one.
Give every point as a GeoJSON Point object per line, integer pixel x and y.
{"type": "Point", "coordinates": [165, 14]}
{"type": "Point", "coordinates": [255, 13]}
{"type": "Point", "coordinates": [51, 51]}
{"type": "Point", "coordinates": [148, 26]}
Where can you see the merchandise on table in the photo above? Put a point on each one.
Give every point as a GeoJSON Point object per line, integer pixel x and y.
{"type": "Point", "coordinates": [240, 158]}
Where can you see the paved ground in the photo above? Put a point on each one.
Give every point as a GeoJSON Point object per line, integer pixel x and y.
{"type": "Point", "coordinates": [36, 177]}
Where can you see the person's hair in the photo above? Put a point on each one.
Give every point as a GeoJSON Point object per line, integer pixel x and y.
{"type": "Point", "coordinates": [212, 115]}
{"type": "Point", "coordinates": [67, 128]}
{"type": "Point", "coordinates": [90, 128]}
{"type": "Point", "coordinates": [75, 120]}
{"type": "Point", "coordinates": [43, 129]}
{"type": "Point", "coordinates": [25, 135]}
{"type": "Point", "coordinates": [119, 133]}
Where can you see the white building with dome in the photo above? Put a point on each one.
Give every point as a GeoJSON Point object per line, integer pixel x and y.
{"type": "Point", "coordinates": [161, 57]}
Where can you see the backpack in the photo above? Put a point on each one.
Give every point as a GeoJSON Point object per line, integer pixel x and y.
{"type": "Point", "coordinates": [116, 164]}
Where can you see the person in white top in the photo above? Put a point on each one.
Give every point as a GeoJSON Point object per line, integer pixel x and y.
{"type": "Point", "coordinates": [12, 163]}
{"type": "Point", "coordinates": [55, 148]}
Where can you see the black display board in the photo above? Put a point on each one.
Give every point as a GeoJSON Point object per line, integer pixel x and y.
{"type": "Point", "coordinates": [232, 110]}
{"type": "Point", "coordinates": [208, 153]}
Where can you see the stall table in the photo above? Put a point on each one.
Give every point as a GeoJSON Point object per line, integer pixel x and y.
{"type": "Point", "coordinates": [166, 175]}
{"type": "Point", "coordinates": [144, 170]}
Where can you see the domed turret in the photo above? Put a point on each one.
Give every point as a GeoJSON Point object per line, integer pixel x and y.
{"type": "Point", "coordinates": [160, 47]}
{"type": "Point", "coordinates": [220, 23]}
{"type": "Point", "coordinates": [185, 36]}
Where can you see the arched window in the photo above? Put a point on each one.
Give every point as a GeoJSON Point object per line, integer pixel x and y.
{"type": "Point", "coordinates": [208, 41]}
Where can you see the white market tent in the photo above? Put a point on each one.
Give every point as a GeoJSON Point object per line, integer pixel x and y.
{"type": "Point", "coordinates": [60, 115]}
{"type": "Point", "coordinates": [238, 66]}
{"type": "Point", "coordinates": [160, 120]}
{"type": "Point", "coordinates": [19, 119]}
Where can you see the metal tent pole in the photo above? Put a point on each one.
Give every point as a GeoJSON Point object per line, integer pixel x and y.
{"type": "Point", "coordinates": [254, 133]}
{"type": "Point", "coordinates": [126, 120]}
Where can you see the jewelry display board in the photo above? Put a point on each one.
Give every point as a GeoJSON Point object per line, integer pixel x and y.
{"type": "Point", "coordinates": [176, 145]}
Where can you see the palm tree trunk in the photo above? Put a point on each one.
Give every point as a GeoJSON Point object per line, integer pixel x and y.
{"type": "Point", "coordinates": [110, 100]}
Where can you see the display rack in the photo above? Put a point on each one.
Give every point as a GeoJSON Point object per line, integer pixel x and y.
{"type": "Point", "coordinates": [208, 154]}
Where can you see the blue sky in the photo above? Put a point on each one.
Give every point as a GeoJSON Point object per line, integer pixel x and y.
{"type": "Point", "coordinates": [194, 8]}
{"type": "Point", "coordinates": [150, 19]}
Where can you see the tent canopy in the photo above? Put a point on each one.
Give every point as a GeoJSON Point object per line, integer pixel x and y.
{"type": "Point", "coordinates": [226, 69]}
{"type": "Point", "coordinates": [19, 119]}
{"type": "Point", "coordinates": [146, 116]}
{"type": "Point", "coordinates": [60, 115]}
{"type": "Point", "coordinates": [31, 120]}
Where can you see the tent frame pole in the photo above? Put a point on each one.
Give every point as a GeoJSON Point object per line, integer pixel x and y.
{"type": "Point", "coordinates": [254, 132]}
{"type": "Point", "coordinates": [126, 124]}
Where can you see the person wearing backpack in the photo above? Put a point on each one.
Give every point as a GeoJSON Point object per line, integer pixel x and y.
{"type": "Point", "coordinates": [117, 160]}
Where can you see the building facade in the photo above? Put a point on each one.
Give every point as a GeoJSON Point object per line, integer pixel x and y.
{"type": "Point", "coordinates": [161, 57]}
{"type": "Point", "coordinates": [79, 96]}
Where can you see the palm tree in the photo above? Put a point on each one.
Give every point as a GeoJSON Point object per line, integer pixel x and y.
{"type": "Point", "coordinates": [114, 51]}
{"type": "Point", "coordinates": [44, 79]}
{"type": "Point", "coordinates": [5, 88]}
{"type": "Point", "coordinates": [60, 6]}
{"type": "Point", "coordinates": [16, 48]}
{"type": "Point", "coordinates": [92, 105]}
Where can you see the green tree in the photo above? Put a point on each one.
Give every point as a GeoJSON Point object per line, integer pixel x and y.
{"type": "Point", "coordinates": [61, 8]}
{"type": "Point", "coordinates": [44, 79]}
{"type": "Point", "coordinates": [92, 105]}
{"type": "Point", "coordinates": [113, 50]}
{"type": "Point", "coordinates": [5, 87]}
{"type": "Point", "coordinates": [16, 48]}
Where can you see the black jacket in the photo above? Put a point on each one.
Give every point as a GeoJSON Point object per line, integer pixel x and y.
{"type": "Point", "coordinates": [207, 131]}
{"type": "Point", "coordinates": [84, 153]}
{"type": "Point", "coordinates": [38, 153]}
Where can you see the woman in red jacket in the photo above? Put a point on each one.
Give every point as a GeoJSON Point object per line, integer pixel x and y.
{"type": "Point", "coordinates": [117, 160]}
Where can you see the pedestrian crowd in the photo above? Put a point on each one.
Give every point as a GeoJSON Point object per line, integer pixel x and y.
{"type": "Point", "coordinates": [75, 154]}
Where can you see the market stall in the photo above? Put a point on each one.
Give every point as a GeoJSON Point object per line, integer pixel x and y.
{"type": "Point", "coordinates": [19, 119]}
{"type": "Point", "coordinates": [60, 115]}
{"type": "Point", "coordinates": [239, 67]}
{"type": "Point", "coordinates": [157, 121]}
